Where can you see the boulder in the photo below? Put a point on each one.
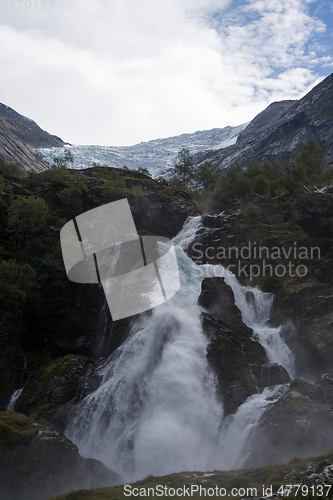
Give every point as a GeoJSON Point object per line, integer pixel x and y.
{"type": "Point", "coordinates": [218, 299]}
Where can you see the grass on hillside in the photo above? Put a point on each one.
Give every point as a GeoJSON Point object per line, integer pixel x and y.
{"type": "Point", "coordinates": [248, 479]}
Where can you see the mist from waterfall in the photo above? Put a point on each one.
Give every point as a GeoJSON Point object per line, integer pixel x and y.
{"type": "Point", "coordinates": [156, 410]}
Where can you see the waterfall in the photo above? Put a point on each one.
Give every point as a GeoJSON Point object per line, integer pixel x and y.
{"type": "Point", "coordinates": [156, 410]}
{"type": "Point", "coordinates": [13, 398]}
{"type": "Point", "coordinates": [255, 315]}
{"type": "Point", "coordinates": [236, 429]}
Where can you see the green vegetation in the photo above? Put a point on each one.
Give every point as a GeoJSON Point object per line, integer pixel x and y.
{"type": "Point", "coordinates": [251, 213]}
{"type": "Point", "coordinates": [215, 190]}
{"type": "Point", "coordinates": [27, 216]}
{"type": "Point", "coordinates": [16, 282]}
{"type": "Point", "coordinates": [137, 192]}
{"type": "Point", "coordinates": [184, 166]}
{"type": "Point", "coordinates": [63, 374]}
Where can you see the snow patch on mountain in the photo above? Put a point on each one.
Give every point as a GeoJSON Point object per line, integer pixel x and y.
{"type": "Point", "coordinates": [157, 156]}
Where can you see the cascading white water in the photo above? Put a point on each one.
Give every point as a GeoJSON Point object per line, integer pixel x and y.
{"type": "Point", "coordinates": [236, 429]}
{"type": "Point", "coordinates": [13, 399]}
{"type": "Point", "coordinates": [256, 314]}
{"type": "Point", "coordinates": [156, 410]}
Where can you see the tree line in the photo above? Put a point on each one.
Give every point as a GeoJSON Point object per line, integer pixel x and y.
{"type": "Point", "coordinates": [217, 190]}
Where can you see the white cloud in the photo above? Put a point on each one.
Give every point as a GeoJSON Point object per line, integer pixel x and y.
{"type": "Point", "coordinates": [123, 71]}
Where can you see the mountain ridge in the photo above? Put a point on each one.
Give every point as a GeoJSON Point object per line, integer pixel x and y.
{"type": "Point", "coordinates": [275, 132]}
{"type": "Point", "coordinates": [27, 130]}
{"type": "Point", "coordinates": [309, 118]}
{"type": "Point", "coordinates": [20, 136]}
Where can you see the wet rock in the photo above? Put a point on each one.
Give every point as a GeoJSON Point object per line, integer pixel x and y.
{"type": "Point", "coordinates": [298, 424]}
{"type": "Point", "coordinates": [239, 362]}
{"type": "Point", "coordinates": [52, 386]}
{"type": "Point", "coordinates": [159, 216]}
{"type": "Point", "coordinates": [218, 299]}
{"type": "Point", "coordinates": [270, 374]}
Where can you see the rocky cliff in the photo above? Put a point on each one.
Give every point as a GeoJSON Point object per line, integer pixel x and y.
{"type": "Point", "coordinates": [280, 128]}
{"type": "Point", "coordinates": [19, 136]}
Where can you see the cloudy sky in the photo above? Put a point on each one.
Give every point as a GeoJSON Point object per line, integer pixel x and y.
{"type": "Point", "coordinates": [118, 72]}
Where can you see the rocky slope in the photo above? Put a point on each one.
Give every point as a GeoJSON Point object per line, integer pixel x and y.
{"type": "Point", "coordinates": [299, 424]}
{"type": "Point", "coordinates": [20, 136]}
{"type": "Point", "coordinates": [43, 463]}
{"type": "Point", "coordinates": [27, 131]}
{"type": "Point", "coordinates": [14, 150]}
{"type": "Point", "coordinates": [280, 128]}
{"type": "Point", "coordinates": [288, 234]}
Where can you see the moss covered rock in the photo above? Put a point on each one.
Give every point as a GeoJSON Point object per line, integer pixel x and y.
{"type": "Point", "coordinates": [15, 428]}
{"type": "Point", "coordinates": [53, 385]}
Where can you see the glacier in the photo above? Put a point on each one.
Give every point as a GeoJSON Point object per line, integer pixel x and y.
{"type": "Point", "coordinates": [158, 156]}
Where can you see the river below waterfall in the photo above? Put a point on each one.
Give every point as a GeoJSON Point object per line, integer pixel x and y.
{"type": "Point", "coordinates": [156, 410]}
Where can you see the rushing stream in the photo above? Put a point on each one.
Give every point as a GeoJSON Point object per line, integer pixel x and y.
{"type": "Point", "coordinates": [156, 410]}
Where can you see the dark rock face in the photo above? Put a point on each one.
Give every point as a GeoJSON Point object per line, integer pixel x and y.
{"type": "Point", "coordinates": [48, 465]}
{"type": "Point", "coordinates": [280, 128]}
{"type": "Point", "coordinates": [218, 299]}
{"type": "Point", "coordinates": [239, 362]}
{"type": "Point", "coordinates": [270, 374]}
{"type": "Point", "coordinates": [166, 218]}
{"type": "Point", "coordinates": [298, 424]}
